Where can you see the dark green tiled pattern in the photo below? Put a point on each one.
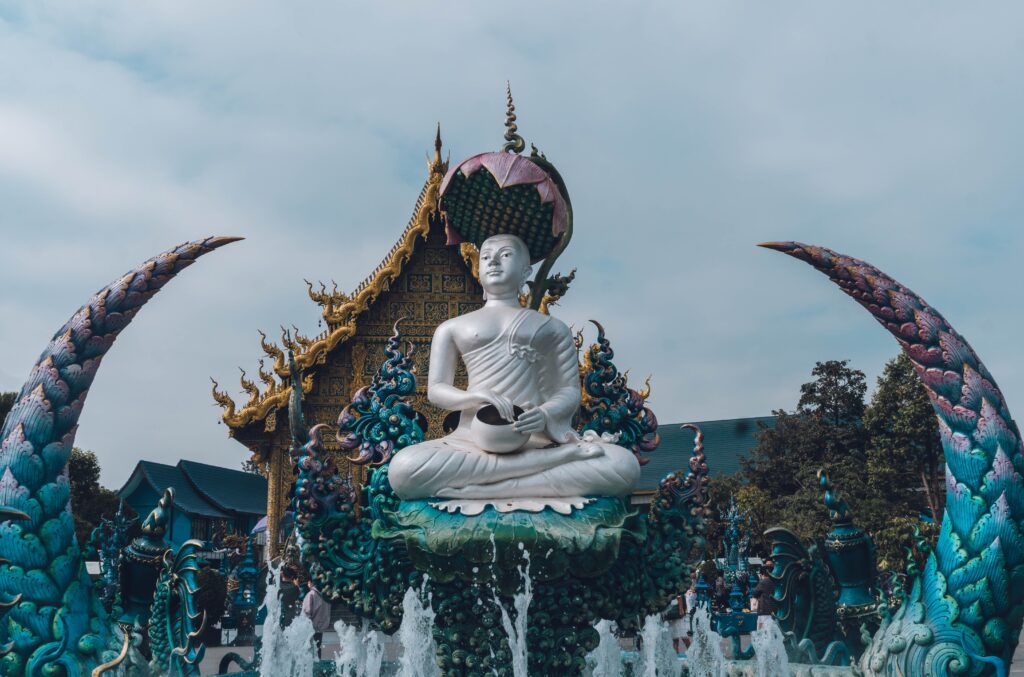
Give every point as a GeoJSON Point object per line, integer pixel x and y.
{"type": "Point", "coordinates": [478, 208]}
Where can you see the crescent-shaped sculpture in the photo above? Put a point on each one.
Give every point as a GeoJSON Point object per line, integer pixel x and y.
{"type": "Point", "coordinates": [964, 613]}
{"type": "Point", "coordinates": [56, 626]}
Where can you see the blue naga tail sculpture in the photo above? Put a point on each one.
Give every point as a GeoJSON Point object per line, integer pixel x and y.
{"type": "Point", "coordinates": [964, 612]}
{"type": "Point", "coordinates": [52, 622]}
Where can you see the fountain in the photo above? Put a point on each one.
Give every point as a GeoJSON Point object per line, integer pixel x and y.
{"type": "Point", "coordinates": [285, 651]}
{"type": "Point", "coordinates": [606, 659]}
{"type": "Point", "coordinates": [704, 658]}
{"type": "Point", "coordinates": [462, 540]}
{"type": "Point", "coordinates": [362, 652]}
{"type": "Point", "coordinates": [657, 657]}
{"type": "Point", "coordinates": [416, 636]}
{"type": "Point", "coordinates": [769, 649]}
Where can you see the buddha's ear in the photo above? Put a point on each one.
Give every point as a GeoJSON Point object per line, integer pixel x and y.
{"type": "Point", "coordinates": [527, 272]}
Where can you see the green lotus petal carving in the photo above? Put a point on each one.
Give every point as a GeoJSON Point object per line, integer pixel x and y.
{"type": "Point", "coordinates": [490, 546]}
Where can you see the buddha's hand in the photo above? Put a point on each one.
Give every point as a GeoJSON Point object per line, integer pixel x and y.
{"type": "Point", "coordinates": [503, 404]}
{"type": "Point", "coordinates": [531, 421]}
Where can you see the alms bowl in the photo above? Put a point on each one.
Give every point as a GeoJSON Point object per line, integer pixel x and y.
{"type": "Point", "coordinates": [494, 434]}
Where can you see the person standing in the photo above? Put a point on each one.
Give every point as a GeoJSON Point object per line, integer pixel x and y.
{"type": "Point", "coordinates": [721, 593]}
{"type": "Point", "coordinates": [318, 611]}
{"type": "Point", "coordinates": [289, 595]}
{"type": "Point", "coordinates": [764, 593]}
{"type": "Point", "coordinates": [691, 598]}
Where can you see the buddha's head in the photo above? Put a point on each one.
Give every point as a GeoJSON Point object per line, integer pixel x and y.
{"type": "Point", "coordinates": [504, 265]}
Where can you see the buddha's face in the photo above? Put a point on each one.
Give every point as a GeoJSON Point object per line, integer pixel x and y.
{"type": "Point", "coordinates": [504, 265]}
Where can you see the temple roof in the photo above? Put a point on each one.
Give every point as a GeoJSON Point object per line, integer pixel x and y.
{"type": "Point", "coordinates": [340, 312]}
{"type": "Point", "coordinates": [202, 490]}
{"type": "Point", "coordinates": [725, 442]}
{"type": "Point", "coordinates": [228, 489]}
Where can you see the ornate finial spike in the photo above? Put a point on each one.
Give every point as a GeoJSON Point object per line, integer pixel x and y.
{"type": "Point", "coordinates": [436, 165]}
{"type": "Point", "coordinates": [838, 510]}
{"type": "Point", "coordinates": [513, 142]}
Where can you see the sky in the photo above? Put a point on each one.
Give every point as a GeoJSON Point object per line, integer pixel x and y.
{"type": "Point", "coordinates": [686, 133]}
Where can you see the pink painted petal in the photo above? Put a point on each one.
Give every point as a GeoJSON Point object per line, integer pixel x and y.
{"type": "Point", "coordinates": [547, 191]}
{"type": "Point", "coordinates": [560, 218]}
{"type": "Point", "coordinates": [468, 167]}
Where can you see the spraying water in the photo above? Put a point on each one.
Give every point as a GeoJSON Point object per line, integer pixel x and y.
{"type": "Point", "coordinates": [657, 657]}
{"type": "Point", "coordinates": [361, 653]}
{"type": "Point", "coordinates": [705, 657]}
{"type": "Point", "coordinates": [606, 659]}
{"type": "Point", "coordinates": [517, 631]}
{"type": "Point", "coordinates": [770, 649]}
{"type": "Point", "coordinates": [287, 652]}
{"type": "Point", "coordinates": [418, 647]}
{"type": "Point", "coordinates": [300, 656]}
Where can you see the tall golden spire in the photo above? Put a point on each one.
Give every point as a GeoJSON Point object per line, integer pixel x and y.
{"type": "Point", "coordinates": [437, 164]}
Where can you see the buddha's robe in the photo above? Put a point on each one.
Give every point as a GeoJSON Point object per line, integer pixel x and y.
{"type": "Point", "coordinates": [533, 362]}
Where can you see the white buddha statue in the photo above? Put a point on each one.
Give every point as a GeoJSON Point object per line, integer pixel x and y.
{"type": "Point", "coordinates": [515, 357]}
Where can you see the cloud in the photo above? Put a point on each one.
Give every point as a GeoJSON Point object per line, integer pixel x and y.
{"type": "Point", "coordinates": [686, 135]}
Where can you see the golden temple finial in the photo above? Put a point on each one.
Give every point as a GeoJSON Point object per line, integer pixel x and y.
{"type": "Point", "coordinates": [287, 342]}
{"type": "Point", "coordinates": [223, 399]}
{"type": "Point", "coordinates": [513, 142]}
{"type": "Point", "coordinates": [300, 339]}
{"type": "Point", "coordinates": [269, 348]}
{"type": "Point", "coordinates": [249, 387]}
{"type": "Point", "coordinates": [437, 165]}
{"type": "Point", "coordinates": [267, 378]}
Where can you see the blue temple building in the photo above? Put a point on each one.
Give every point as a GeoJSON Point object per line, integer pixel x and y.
{"type": "Point", "coordinates": [207, 499]}
{"type": "Point", "coordinates": [726, 441]}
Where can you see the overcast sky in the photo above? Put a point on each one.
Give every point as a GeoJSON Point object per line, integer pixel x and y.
{"type": "Point", "coordinates": [686, 134]}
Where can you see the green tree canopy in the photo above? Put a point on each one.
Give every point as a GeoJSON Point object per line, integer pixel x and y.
{"type": "Point", "coordinates": [7, 401]}
{"type": "Point", "coordinates": [905, 457]}
{"type": "Point", "coordinates": [780, 484]}
{"type": "Point", "coordinates": [882, 457]}
{"type": "Point", "coordinates": [90, 502]}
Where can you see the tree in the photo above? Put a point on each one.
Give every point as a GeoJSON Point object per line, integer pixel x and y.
{"type": "Point", "coordinates": [905, 450]}
{"type": "Point", "coordinates": [90, 502]}
{"type": "Point", "coordinates": [720, 490]}
{"type": "Point", "coordinates": [826, 430]}
{"type": "Point", "coordinates": [885, 459]}
{"type": "Point", "coordinates": [836, 394]}
{"type": "Point", "coordinates": [7, 401]}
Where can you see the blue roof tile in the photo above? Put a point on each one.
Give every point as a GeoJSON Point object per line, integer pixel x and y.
{"type": "Point", "coordinates": [229, 489]}
{"type": "Point", "coordinates": [161, 476]}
